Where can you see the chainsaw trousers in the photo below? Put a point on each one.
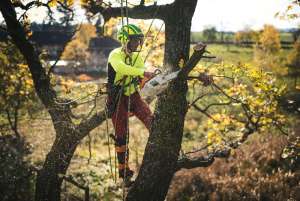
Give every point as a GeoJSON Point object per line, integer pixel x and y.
{"type": "Point", "coordinates": [120, 122]}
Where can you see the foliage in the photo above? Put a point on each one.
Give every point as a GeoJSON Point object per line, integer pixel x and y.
{"type": "Point", "coordinates": [270, 40]}
{"type": "Point", "coordinates": [266, 53]}
{"type": "Point", "coordinates": [16, 85]}
{"type": "Point", "coordinates": [246, 36]}
{"type": "Point", "coordinates": [110, 28]}
{"type": "Point", "coordinates": [16, 178]}
{"type": "Point", "coordinates": [290, 12]}
{"type": "Point", "coordinates": [270, 62]}
{"type": "Point", "coordinates": [54, 3]}
{"type": "Point", "coordinates": [153, 45]}
{"type": "Point", "coordinates": [246, 96]}
{"type": "Point", "coordinates": [76, 49]}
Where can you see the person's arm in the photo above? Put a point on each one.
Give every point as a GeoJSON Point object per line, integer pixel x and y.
{"type": "Point", "coordinates": [119, 66]}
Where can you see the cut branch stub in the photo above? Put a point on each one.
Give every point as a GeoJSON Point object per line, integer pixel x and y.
{"type": "Point", "coordinates": [199, 50]}
{"type": "Point", "coordinates": [199, 47]}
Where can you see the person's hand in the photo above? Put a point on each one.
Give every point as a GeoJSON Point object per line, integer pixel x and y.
{"type": "Point", "coordinates": [149, 75]}
{"type": "Point", "coordinates": [146, 78]}
{"type": "Point", "coordinates": [206, 79]}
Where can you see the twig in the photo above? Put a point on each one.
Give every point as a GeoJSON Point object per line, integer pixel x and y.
{"type": "Point", "coordinates": [205, 113]}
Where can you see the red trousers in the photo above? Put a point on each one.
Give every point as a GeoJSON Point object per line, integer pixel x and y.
{"type": "Point", "coordinates": [120, 122]}
{"type": "Point", "coordinates": [120, 117]}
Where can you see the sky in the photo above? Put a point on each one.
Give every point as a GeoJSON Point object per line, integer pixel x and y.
{"type": "Point", "coordinates": [226, 15]}
{"type": "Point", "coordinates": [234, 15]}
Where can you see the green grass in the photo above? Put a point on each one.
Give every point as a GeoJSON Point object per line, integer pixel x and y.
{"type": "Point", "coordinates": [286, 37]}
{"type": "Point", "coordinates": [231, 53]}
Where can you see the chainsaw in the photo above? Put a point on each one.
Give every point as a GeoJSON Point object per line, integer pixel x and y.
{"type": "Point", "coordinates": [158, 83]}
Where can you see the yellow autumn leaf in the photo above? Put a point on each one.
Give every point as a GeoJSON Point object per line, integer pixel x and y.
{"type": "Point", "coordinates": [52, 3]}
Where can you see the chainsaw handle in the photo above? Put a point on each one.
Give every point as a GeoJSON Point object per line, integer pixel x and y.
{"type": "Point", "coordinates": [157, 71]}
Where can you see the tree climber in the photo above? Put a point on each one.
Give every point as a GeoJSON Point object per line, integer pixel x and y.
{"type": "Point", "coordinates": [125, 70]}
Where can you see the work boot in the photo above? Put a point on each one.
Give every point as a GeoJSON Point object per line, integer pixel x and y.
{"type": "Point", "coordinates": [129, 173]}
{"type": "Point", "coordinates": [126, 178]}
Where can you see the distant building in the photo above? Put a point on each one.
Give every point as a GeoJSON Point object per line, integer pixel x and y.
{"type": "Point", "coordinates": [99, 48]}
{"type": "Point", "coordinates": [51, 38]}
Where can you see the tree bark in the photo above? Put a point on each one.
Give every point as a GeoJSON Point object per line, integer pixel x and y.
{"type": "Point", "coordinates": [164, 143]}
{"type": "Point", "coordinates": [50, 177]}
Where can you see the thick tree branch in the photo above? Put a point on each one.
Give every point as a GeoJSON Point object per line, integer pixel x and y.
{"type": "Point", "coordinates": [30, 5]}
{"type": "Point", "coordinates": [136, 12]}
{"type": "Point", "coordinates": [199, 50]}
{"type": "Point", "coordinates": [86, 189]}
{"type": "Point", "coordinates": [19, 4]}
{"type": "Point", "coordinates": [202, 161]}
{"type": "Point", "coordinates": [86, 126]}
{"type": "Point", "coordinates": [142, 2]}
{"type": "Point", "coordinates": [189, 163]}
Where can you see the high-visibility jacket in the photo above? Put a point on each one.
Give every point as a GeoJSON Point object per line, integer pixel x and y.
{"type": "Point", "coordinates": [118, 68]}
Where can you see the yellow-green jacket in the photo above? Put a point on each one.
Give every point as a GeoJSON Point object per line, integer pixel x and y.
{"type": "Point", "coordinates": [117, 69]}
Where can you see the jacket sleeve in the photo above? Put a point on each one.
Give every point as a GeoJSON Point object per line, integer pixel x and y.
{"type": "Point", "coordinates": [120, 67]}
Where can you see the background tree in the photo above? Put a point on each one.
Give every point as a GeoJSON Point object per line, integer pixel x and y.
{"type": "Point", "coordinates": [210, 34]}
{"type": "Point", "coordinates": [266, 52]}
{"type": "Point", "coordinates": [246, 37]}
{"type": "Point", "coordinates": [270, 40]}
{"type": "Point", "coordinates": [77, 49]}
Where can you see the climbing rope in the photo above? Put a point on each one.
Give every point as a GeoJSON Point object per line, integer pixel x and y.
{"type": "Point", "coordinates": [108, 141]}
{"type": "Point", "coordinates": [127, 141]}
{"type": "Point", "coordinates": [148, 31]}
{"type": "Point", "coordinates": [152, 46]}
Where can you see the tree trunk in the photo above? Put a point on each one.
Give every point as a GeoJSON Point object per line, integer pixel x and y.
{"type": "Point", "coordinates": [164, 143]}
{"type": "Point", "coordinates": [48, 184]}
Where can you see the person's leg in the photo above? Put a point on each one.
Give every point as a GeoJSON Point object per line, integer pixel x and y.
{"type": "Point", "coordinates": [120, 123]}
{"type": "Point", "coordinates": [141, 110]}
